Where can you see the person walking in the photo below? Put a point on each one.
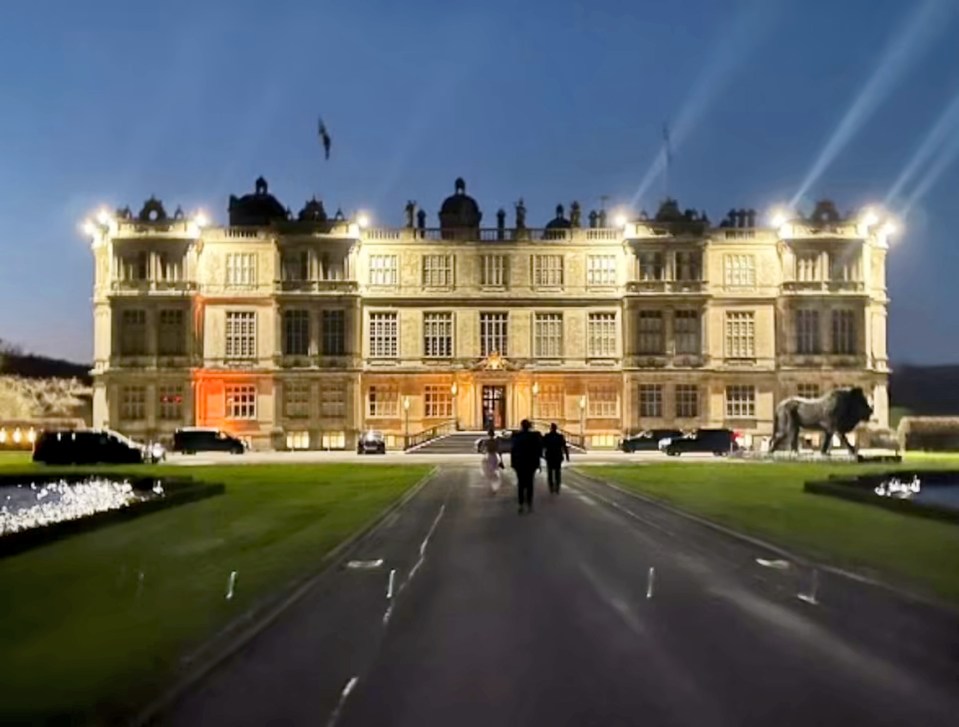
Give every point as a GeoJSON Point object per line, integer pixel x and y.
{"type": "Point", "coordinates": [492, 462]}
{"type": "Point", "coordinates": [555, 450]}
{"type": "Point", "coordinates": [524, 458]}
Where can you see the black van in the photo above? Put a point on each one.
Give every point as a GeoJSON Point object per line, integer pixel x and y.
{"type": "Point", "coordinates": [191, 440]}
{"type": "Point", "coordinates": [88, 446]}
{"type": "Point", "coordinates": [720, 442]}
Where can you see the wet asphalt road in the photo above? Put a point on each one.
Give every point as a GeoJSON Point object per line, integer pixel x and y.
{"type": "Point", "coordinates": [598, 609]}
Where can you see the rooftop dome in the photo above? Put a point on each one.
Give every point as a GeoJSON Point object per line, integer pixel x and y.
{"type": "Point", "coordinates": [312, 212]}
{"type": "Point", "coordinates": [460, 211]}
{"type": "Point", "coordinates": [559, 222]}
{"type": "Point", "coordinates": [259, 208]}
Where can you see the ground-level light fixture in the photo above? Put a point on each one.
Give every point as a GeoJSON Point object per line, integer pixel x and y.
{"type": "Point", "coordinates": [582, 402]}
{"type": "Point", "coordinates": [454, 389]}
{"type": "Point", "coordinates": [406, 403]}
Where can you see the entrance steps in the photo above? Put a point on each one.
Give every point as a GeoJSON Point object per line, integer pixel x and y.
{"type": "Point", "coordinates": [455, 443]}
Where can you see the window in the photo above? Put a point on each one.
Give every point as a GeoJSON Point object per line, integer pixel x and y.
{"type": "Point", "coordinates": [382, 269]}
{"type": "Point", "coordinates": [547, 271]}
{"type": "Point", "coordinates": [438, 271]}
{"type": "Point", "coordinates": [170, 400]}
{"type": "Point", "coordinates": [295, 265]}
{"type": "Point", "coordinates": [652, 340]}
{"type": "Point", "coordinates": [296, 333]}
{"type": "Point", "coordinates": [687, 334]}
{"type": "Point", "coordinates": [549, 402]}
{"type": "Point", "coordinates": [651, 266]}
{"type": "Point", "coordinates": [333, 269]}
{"type": "Point", "coordinates": [548, 335]}
{"type": "Point", "coordinates": [438, 402]}
{"type": "Point", "coordinates": [333, 440]}
{"type": "Point", "coordinates": [133, 332]}
{"type": "Point", "coordinates": [601, 333]}
{"type": "Point", "coordinates": [687, 401]}
{"type": "Point", "coordinates": [808, 391]}
{"type": "Point", "coordinates": [807, 332]}
{"type": "Point", "coordinates": [494, 333]}
{"type": "Point", "coordinates": [383, 401]}
{"type": "Point", "coordinates": [240, 334]}
{"type": "Point", "coordinates": [740, 401]}
{"type": "Point", "coordinates": [438, 335]}
{"type": "Point", "coordinates": [843, 266]}
{"type": "Point", "coordinates": [333, 400]}
{"type": "Point", "coordinates": [334, 332]}
{"type": "Point", "coordinates": [171, 336]}
{"type": "Point", "coordinates": [297, 440]}
{"type": "Point", "coordinates": [133, 403]}
{"type": "Point", "coordinates": [493, 271]}
{"type": "Point", "coordinates": [651, 400]}
{"type": "Point", "coordinates": [741, 335]}
{"type": "Point", "coordinates": [383, 335]}
{"type": "Point", "coordinates": [602, 402]}
{"type": "Point", "coordinates": [601, 270]}
{"type": "Point", "coordinates": [843, 332]}
{"type": "Point", "coordinates": [689, 266]}
{"type": "Point", "coordinates": [241, 268]}
{"type": "Point", "coordinates": [171, 267]}
{"type": "Point", "coordinates": [296, 399]}
{"type": "Point", "coordinates": [740, 271]}
{"type": "Point", "coordinates": [241, 401]}
{"type": "Point", "coordinates": [807, 267]}
{"type": "Point", "coordinates": [135, 267]}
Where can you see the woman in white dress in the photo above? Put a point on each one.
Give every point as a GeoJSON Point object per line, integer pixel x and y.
{"type": "Point", "coordinates": [492, 462]}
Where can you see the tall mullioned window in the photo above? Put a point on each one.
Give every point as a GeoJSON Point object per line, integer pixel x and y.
{"type": "Point", "coordinates": [383, 270]}
{"type": "Point", "coordinates": [807, 332]}
{"type": "Point", "coordinates": [438, 402]}
{"type": "Point", "coordinates": [549, 403]}
{"type": "Point", "coordinates": [808, 391]}
{"type": "Point", "coordinates": [296, 333]}
{"type": "Point", "coordinates": [494, 334]}
{"type": "Point", "coordinates": [383, 401]}
{"type": "Point", "coordinates": [437, 271]}
{"type": "Point", "coordinates": [548, 335]}
{"type": "Point", "coordinates": [241, 401]}
{"type": "Point", "coordinates": [807, 267]}
{"type": "Point", "coordinates": [133, 403]}
{"type": "Point", "coordinates": [651, 400]}
{"type": "Point", "coordinates": [689, 266]}
{"type": "Point", "coordinates": [171, 333]}
{"type": "Point", "coordinates": [333, 323]}
{"type": "Point", "coordinates": [687, 334]}
{"type": "Point", "coordinates": [295, 265]}
{"type": "Point", "coordinates": [547, 271]}
{"type": "Point", "coordinates": [384, 339]}
{"type": "Point", "coordinates": [741, 334]}
{"type": "Point", "coordinates": [241, 268]}
{"type": "Point", "coordinates": [133, 332]}
{"type": "Point", "coordinates": [438, 335]}
{"type": "Point", "coordinates": [687, 401]}
{"type": "Point", "coordinates": [601, 270]}
{"type": "Point", "coordinates": [493, 271]}
{"type": "Point", "coordinates": [740, 401]}
{"type": "Point", "coordinates": [739, 271]}
{"type": "Point", "coordinates": [170, 402]}
{"type": "Point", "coordinates": [652, 335]}
{"type": "Point", "coordinates": [296, 401]}
{"type": "Point", "coordinates": [602, 402]}
{"type": "Point", "coordinates": [240, 334]}
{"type": "Point", "coordinates": [843, 332]}
{"type": "Point", "coordinates": [601, 335]}
{"type": "Point", "coordinates": [333, 400]}
{"type": "Point", "coordinates": [651, 266]}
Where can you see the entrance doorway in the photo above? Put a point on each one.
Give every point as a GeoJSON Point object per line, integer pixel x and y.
{"type": "Point", "coordinates": [494, 407]}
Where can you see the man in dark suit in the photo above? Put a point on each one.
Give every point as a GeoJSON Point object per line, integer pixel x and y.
{"type": "Point", "coordinates": [524, 458]}
{"type": "Point", "coordinates": [554, 451]}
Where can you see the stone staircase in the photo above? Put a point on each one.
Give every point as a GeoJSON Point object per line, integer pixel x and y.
{"type": "Point", "coordinates": [455, 443]}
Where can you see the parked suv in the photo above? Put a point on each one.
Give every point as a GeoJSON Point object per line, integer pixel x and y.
{"type": "Point", "coordinates": [649, 440]}
{"type": "Point", "coordinates": [90, 446]}
{"type": "Point", "coordinates": [718, 441]}
{"type": "Point", "coordinates": [190, 440]}
{"type": "Point", "coordinates": [371, 443]}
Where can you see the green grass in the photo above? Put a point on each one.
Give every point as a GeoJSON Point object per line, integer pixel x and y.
{"type": "Point", "coordinates": [767, 500]}
{"type": "Point", "coordinates": [81, 636]}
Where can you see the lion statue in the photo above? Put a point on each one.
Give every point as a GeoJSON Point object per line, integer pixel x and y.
{"type": "Point", "coordinates": [838, 412]}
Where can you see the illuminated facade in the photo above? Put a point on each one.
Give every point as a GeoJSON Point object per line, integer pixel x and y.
{"type": "Point", "coordinates": [302, 331]}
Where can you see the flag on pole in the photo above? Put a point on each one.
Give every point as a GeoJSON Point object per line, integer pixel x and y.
{"type": "Point", "coordinates": [325, 138]}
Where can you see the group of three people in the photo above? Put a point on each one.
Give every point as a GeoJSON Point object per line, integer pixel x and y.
{"type": "Point", "coordinates": [528, 449]}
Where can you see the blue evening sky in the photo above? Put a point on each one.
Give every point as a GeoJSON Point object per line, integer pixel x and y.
{"type": "Point", "coordinates": [110, 101]}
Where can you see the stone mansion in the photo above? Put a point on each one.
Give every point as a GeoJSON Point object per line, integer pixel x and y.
{"type": "Point", "coordinates": [302, 331]}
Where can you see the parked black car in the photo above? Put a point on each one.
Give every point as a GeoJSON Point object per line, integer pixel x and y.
{"type": "Point", "coordinates": [504, 441]}
{"type": "Point", "coordinates": [90, 446]}
{"type": "Point", "coordinates": [718, 441]}
{"type": "Point", "coordinates": [371, 443]}
{"type": "Point", "coordinates": [190, 440]}
{"type": "Point", "coordinates": [648, 440]}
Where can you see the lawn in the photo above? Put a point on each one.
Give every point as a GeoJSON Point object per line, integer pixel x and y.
{"type": "Point", "coordinates": [84, 635]}
{"type": "Point", "coordinates": [767, 500]}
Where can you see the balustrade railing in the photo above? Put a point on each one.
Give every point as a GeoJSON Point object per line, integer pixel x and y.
{"type": "Point", "coordinates": [428, 435]}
